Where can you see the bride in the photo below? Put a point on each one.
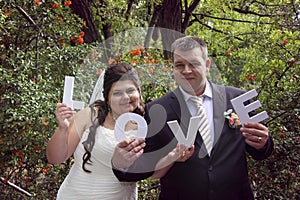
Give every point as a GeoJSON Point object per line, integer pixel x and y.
{"type": "Point", "coordinates": [89, 136]}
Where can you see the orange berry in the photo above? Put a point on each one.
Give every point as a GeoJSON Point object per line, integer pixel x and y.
{"type": "Point", "coordinates": [7, 13]}
{"type": "Point", "coordinates": [292, 62]}
{"type": "Point", "coordinates": [48, 167]}
{"type": "Point", "coordinates": [99, 72]}
{"type": "Point", "coordinates": [81, 34]}
{"type": "Point", "coordinates": [37, 2]}
{"type": "Point", "coordinates": [62, 40]}
{"type": "Point", "coordinates": [94, 55]}
{"type": "Point", "coordinates": [72, 38]}
{"type": "Point", "coordinates": [55, 6]}
{"type": "Point", "coordinates": [68, 3]}
{"type": "Point", "coordinates": [80, 40]}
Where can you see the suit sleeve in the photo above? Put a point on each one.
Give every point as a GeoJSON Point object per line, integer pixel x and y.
{"type": "Point", "coordinates": [144, 166]}
{"type": "Point", "coordinates": [129, 175]}
{"type": "Point", "coordinates": [267, 150]}
{"type": "Point", "coordinates": [260, 154]}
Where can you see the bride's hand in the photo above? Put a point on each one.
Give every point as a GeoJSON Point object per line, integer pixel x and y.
{"type": "Point", "coordinates": [180, 154]}
{"type": "Point", "coordinates": [64, 115]}
{"type": "Point", "coordinates": [185, 154]}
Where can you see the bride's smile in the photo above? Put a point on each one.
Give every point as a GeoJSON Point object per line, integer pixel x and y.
{"type": "Point", "coordinates": [123, 97]}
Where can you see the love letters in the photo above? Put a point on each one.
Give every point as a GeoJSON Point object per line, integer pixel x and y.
{"type": "Point", "coordinates": [68, 94]}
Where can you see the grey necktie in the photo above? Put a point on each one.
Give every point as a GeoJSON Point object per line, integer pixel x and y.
{"type": "Point", "coordinates": [204, 125]}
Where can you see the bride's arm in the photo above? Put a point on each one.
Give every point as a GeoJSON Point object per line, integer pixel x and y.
{"type": "Point", "coordinates": [179, 154]}
{"type": "Point", "coordinates": [67, 135]}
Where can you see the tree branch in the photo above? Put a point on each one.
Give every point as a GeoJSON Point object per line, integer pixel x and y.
{"type": "Point", "coordinates": [225, 19]}
{"type": "Point", "coordinates": [274, 118]}
{"type": "Point", "coordinates": [128, 10]}
{"type": "Point", "coordinates": [16, 187]}
{"type": "Point", "coordinates": [216, 30]}
{"type": "Point", "coordinates": [188, 13]}
{"type": "Point", "coordinates": [29, 19]}
{"type": "Point", "coordinates": [246, 11]}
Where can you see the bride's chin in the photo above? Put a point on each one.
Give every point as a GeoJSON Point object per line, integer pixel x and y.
{"type": "Point", "coordinates": [127, 111]}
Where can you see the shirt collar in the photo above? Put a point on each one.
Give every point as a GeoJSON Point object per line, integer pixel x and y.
{"type": "Point", "coordinates": [207, 92]}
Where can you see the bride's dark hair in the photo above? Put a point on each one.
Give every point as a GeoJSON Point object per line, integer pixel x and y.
{"type": "Point", "coordinates": [114, 73]}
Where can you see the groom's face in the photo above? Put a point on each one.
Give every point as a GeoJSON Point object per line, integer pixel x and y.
{"type": "Point", "coordinates": [189, 69]}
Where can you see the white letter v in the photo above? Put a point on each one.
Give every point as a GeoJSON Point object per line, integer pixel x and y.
{"type": "Point", "coordinates": [191, 133]}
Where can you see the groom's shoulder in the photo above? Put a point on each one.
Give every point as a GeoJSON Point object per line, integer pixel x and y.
{"type": "Point", "coordinates": [228, 88]}
{"type": "Point", "coordinates": [230, 91]}
{"type": "Point", "coordinates": [234, 89]}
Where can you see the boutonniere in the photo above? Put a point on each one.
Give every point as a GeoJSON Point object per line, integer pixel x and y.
{"type": "Point", "coordinates": [233, 119]}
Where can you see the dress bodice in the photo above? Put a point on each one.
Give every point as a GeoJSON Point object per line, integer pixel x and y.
{"type": "Point", "coordinates": [101, 182]}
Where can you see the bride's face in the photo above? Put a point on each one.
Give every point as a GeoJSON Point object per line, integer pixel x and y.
{"type": "Point", "coordinates": [123, 97]}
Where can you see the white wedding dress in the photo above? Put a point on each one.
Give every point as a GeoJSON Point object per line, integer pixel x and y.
{"type": "Point", "coordinates": [100, 183]}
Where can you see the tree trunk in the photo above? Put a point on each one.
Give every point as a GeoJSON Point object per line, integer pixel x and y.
{"type": "Point", "coordinates": [82, 9]}
{"type": "Point", "coordinates": [172, 20]}
{"type": "Point", "coordinates": [152, 31]}
{"type": "Point", "coordinates": [169, 23]}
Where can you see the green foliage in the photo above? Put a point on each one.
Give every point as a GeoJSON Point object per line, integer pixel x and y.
{"type": "Point", "coordinates": [148, 189]}
{"type": "Point", "coordinates": [27, 108]}
{"type": "Point", "coordinates": [154, 72]}
{"type": "Point", "coordinates": [118, 15]}
{"type": "Point", "coordinates": [33, 65]}
{"type": "Point", "coordinates": [251, 44]}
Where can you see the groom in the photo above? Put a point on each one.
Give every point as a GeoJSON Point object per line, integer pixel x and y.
{"type": "Point", "coordinates": [219, 173]}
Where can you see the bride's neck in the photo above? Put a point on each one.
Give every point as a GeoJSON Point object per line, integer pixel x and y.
{"type": "Point", "coordinates": [110, 121]}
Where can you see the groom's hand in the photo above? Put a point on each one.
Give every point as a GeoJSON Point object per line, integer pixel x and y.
{"type": "Point", "coordinates": [256, 134]}
{"type": "Point", "coordinates": [126, 152]}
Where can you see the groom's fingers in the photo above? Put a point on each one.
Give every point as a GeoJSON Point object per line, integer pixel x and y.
{"type": "Point", "coordinates": [191, 150]}
{"type": "Point", "coordinates": [132, 144]}
{"type": "Point", "coordinates": [135, 154]}
{"type": "Point", "coordinates": [139, 147]}
{"type": "Point", "coordinates": [124, 143]}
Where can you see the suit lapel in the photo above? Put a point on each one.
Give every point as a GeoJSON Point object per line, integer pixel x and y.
{"type": "Point", "coordinates": [219, 107]}
{"type": "Point", "coordinates": [181, 110]}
